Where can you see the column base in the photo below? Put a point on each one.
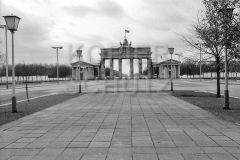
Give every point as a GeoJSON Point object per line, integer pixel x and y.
{"type": "Point", "coordinates": [171, 86]}
{"type": "Point", "coordinates": [80, 89]}
{"type": "Point", "coordinates": [14, 105]}
{"type": "Point", "coordinates": [226, 100]}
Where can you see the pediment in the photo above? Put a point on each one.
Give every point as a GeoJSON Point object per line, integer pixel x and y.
{"type": "Point", "coordinates": [82, 63]}
{"type": "Point", "coordinates": [168, 62]}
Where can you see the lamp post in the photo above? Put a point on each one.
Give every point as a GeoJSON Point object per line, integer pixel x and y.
{"type": "Point", "coordinates": [179, 70]}
{"type": "Point", "coordinates": [179, 55]}
{"type": "Point", "coordinates": [12, 25]}
{"type": "Point", "coordinates": [5, 26]}
{"type": "Point", "coordinates": [79, 54]}
{"type": "Point", "coordinates": [171, 52]}
{"type": "Point", "coordinates": [227, 16]}
{"type": "Point", "coordinates": [57, 62]}
{"type": "Point", "coordinates": [200, 62]}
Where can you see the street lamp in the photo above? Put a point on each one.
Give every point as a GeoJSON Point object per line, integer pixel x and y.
{"type": "Point", "coordinates": [200, 45]}
{"type": "Point", "coordinates": [4, 26]}
{"type": "Point", "coordinates": [171, 52]}
{"type": "Point", "coordinates": [12, 25]}
{"type": "Point", "coordinates": [57, 62]}
{"type": "Point", "coordinates": [227, 16]}
{"type": "Point", "coordinates": [79, 54]}
{"type": "Point", "coordinates": [179, 55]}
{"type": "Point", "coordinates": [179, 69]}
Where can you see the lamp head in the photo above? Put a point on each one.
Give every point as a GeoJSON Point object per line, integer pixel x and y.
{"type": "Point", "coordinates": [2, 26]}
{"type": "Point", "coordinates": [57, 47]}
{"type": "Point", "coordinates": [179, 54]}
{"type": "Point", "coordinates": [79, 53]}
{"type": "Point", "coordinates": [171, 50]}
{"type": "Point", "coordinates": [12, 22]}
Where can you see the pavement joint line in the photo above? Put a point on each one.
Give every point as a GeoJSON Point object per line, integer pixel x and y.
{"type": "Point", "coordinates": [29, 99]}
{"type": "Point", "coordinates": [172, 127]}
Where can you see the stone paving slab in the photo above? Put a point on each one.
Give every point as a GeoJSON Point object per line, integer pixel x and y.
{"type": "Point", "coordinates": [120, 126]}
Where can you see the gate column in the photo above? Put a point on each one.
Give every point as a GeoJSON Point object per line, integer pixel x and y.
{"type": "Point", "coordinates": [149, 68]}
{"type": "Point", "coordinates": [111, 68]}
{"type": "Point", "coordinates": [140, 68]}
{"type": "Point", "coordinates": [178, 76]}
{"type": "Point", "coordinates": [131, 68]}
{"type": "Point", "coordinates": [103, 68]}
{"type": "Point", "coordinates": [120, 68]}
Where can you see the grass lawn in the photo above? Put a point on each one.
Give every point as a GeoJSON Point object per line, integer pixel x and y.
{"type": "Point", "coordinates": [26, 108]}
{"type": "Point", "coordinates": [208, 101]}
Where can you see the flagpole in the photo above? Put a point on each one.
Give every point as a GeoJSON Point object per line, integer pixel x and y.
{"type": "Point", "coordinates": [125, 34]}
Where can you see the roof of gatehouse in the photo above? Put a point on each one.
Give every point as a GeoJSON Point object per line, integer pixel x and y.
{"type": "Point", "coordinates": [82, 63]}
{"type": "Point", "coordinates": [168, 62]}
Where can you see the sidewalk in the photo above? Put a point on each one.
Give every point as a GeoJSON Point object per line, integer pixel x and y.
{"type": "Point", "coordinates": [120, 126]}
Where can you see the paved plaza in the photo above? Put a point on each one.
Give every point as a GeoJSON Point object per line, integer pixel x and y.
{"type": "Point", "coordinates": [121, 126]}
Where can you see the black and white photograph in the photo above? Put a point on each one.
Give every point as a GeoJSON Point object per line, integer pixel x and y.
{"type": "Point", "coordinates": [119, 79]}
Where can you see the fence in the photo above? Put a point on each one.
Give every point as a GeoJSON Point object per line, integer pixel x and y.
{"type": "Point", "coordinates": [231, 75]}
{"type": "Point", "coordinates": [20, 79]}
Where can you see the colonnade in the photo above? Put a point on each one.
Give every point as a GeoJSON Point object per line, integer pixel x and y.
{"type": "Point", "coordinates": [102, 67]}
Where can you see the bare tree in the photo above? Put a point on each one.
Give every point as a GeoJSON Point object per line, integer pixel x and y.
{"type": "Point", "coordinates": [2, 63]}
{"type": "Point", "coordinates": [25, 72]}
{"type": "Point", "coordinates": [216, 34]}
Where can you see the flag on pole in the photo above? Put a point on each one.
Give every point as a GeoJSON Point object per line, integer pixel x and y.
{"type": "Point", "coordinates": [127, 31]}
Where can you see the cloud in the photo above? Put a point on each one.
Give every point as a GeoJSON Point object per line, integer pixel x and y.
{"type": "Point", "coordinates": [59, 22]}
{"type": "Point", "coordinates": [105, 8]}
{"type": "Point", "coordinates": [31, 38]}
{"type": "Point", "coordinates": [110, 8]}
{"type": "Point", "coordinates": [80, 10]}
{"type": "Point", "coordinates": [162, 15]}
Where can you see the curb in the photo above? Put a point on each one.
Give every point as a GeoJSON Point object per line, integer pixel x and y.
{"type": "Point", "coordinates": [29, 86]}
{"type": "Point", "coordinates": [220, 94]}
{"type": "Point", "coordinates": [29, 99]}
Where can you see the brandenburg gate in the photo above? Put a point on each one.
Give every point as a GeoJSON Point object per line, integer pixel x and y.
{"type": "Point", "coordinates": [125, 51]}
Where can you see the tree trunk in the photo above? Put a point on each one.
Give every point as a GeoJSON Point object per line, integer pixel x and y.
{"type": "Point", "coordinates": [27, 89]}
{"type": "Point", "coordinates": [218, 77]}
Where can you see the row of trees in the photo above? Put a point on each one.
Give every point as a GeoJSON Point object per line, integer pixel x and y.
{"type": "Point", "coordinates": [191, 68]}
{"type": "Point", "coordinates": [219, 32]}
{"type": "Point", "coordinates": [36, 70]}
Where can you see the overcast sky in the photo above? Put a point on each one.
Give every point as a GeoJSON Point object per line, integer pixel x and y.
{"type": "Point", "coordinates": [93, 24]}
